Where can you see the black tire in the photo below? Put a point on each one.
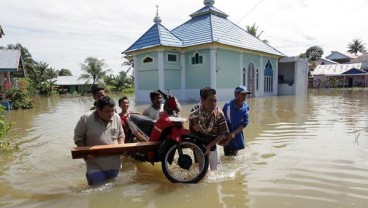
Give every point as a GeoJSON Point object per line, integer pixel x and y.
{"type": "Point", "coordinates": [188, 168]}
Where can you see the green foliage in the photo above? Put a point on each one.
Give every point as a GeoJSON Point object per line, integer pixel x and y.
{"type": "Point", "coordinates": [334, 83]}
{"type": "Point", "coordinates": [4, 126]}
{"type": "Point", "coordinates": [6, 144]}
{"type": "Point", "coordinates": [356, 46]}
{"type": "Point", "coordinates": [120, 82]}
{"type": "Point", "coordinates": [41, 76]}
{"type": "Point", "coordinates": [65, 72]}
{"type": "Point", "coordinates": [128, 90]}
{"type": "Point", "coordinates": [302, 55]}
{"type": "Point", "coordinates": [313, 53]}
{"type": "Point", "coordinates": [20, 95]}
{"type": "Point", "coordinates": [253, 30]}
{"type": "Point", "coordinates": [94, 69]}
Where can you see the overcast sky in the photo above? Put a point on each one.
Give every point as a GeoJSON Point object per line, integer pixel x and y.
{"type": "Point", "coordinates": [64, 33]}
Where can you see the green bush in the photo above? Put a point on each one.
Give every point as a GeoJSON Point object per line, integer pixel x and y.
{"type": "Point", "coordinates": [19, 99]}
{"type": "Point", "coordinates": [20, 95]}
{"type": "Point", "coordinates": [5, 143]}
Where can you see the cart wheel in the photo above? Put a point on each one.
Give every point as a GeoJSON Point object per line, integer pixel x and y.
{"type": "Point", "coordinates": [185, 162]}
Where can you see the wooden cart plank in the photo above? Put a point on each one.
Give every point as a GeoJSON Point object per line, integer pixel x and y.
{"type": "Point", "coordinates": [113, 149]}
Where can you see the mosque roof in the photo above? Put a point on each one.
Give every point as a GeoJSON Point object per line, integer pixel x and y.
{"type": "Point", "coordinates": [206, 25]}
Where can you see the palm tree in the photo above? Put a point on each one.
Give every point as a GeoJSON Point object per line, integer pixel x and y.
{"type": "Point", "coordinates": [253, 30]}
{"type": "Point", "coordinates": [37, 73]}
{"type": "Point", "coordinates": [356, 46]}
{"type": "Point", "coordinates": [94, 69]}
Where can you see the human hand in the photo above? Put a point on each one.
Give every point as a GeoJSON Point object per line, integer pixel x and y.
{"type": "Point", "coordinates": [88, 157]}
{"type": "Point", "coordinates": [208, 150]}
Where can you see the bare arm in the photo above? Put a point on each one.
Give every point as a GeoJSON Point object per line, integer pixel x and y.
{"type": "Point", "coordinates": [233, 133]}
{"type": "Point", "coordinates": [80, 132]}
{"type": "Point", "coordinates": [121, 140]}
{"type": "Point", "coordinates": [214, 142]}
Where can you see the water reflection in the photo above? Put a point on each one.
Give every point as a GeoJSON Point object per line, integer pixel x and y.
{"type": "Point", "coordinates": [305, 152]}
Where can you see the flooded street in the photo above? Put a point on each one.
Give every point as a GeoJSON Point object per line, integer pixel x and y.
{"type": "Point", "coordinates": [301, 152]}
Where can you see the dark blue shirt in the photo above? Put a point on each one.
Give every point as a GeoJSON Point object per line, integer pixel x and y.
{"type": "Point", "coordinates": [235, 117]}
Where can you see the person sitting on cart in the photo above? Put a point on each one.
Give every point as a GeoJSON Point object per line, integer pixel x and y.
{"type": "Point", "coordinates": [124, 115]}
{"type": "Point", "coordinates": [208, 121]}
{"type": "Point", "coordinates": [153, 111]}
{"type": "Point", "coordinates": [168, 120]}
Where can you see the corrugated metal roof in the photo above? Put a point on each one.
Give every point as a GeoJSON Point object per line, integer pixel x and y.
{"type": "Point", "coordinates": [207, 25]}
{"type": "Point", "coordinates": [360, 59]}
{"type": "Point", "coordinates": [335, 55]}
{"type": "Point", "coordinates": [9, 60]}
{"type": "Point", "coordinates": [334, 69]}
{"type": "Point", "coordinates": [208, 28]}
{"type": "Point", "coordinates": [71, 80]}
{"type": "Point", "coordinates": [155, 36]}
{"type": "Point", "coordinates": [209, 9]}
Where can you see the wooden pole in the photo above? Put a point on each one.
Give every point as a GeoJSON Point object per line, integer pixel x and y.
{"type": "Point", "coordinates": [113, 149]}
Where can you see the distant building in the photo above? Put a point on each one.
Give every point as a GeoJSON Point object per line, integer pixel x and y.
{"type": "Point", "coordinates": [11, 66]}
{"type": "Point", "coordinates": [72, 84]}
{"type": "Point", "coordinates": [210, 50]}
{"type": "Point", "coordinates": [363, 59]}
{"type": "Point", "coordinates": [324, 61]}
{"type": "Point", "coordinates": [340, 75]}
{"type": "Point", "coordinates": [341, 57]}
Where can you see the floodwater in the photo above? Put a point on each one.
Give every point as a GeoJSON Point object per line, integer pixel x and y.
{"type": "Point", "coordinates": [301, 152]}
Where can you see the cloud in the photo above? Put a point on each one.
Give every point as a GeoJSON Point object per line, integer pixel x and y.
{"type": "Point", "coordinates": [63, 33]}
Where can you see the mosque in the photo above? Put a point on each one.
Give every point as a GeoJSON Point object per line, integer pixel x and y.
{"type": "Point", "coordinates": [210, 50]}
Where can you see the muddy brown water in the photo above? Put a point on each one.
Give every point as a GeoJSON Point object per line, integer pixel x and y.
{"type": "Point", "coordinates": [301, 152]}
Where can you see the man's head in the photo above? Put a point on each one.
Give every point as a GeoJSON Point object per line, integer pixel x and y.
{"type": "Point", "coordinates": [105, 108]}
{"type": "Point", "coordinates": [241, 93]}
{"type": "Point", "coordinates": [156, 99]}
{"type": "Point", "coordinates": [98, 92]}
{"type": "Point", "coordinates": [208, 98]}
{"type": "Point", "coordinates": [124, 103]}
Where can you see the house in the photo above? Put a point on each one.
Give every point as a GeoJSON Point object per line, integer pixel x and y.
{"type": "Point", "coordinates": [71, 84]}
{"type": "Point", "coordinates": [340, 57]}
{"type": "Point", "coordinates": [11, 67]}
{"type": "Point", "coordinates": [340, 75]}
{"type": "Point", "coordinates": [209, 50]}
{"type": "Point", "coordinates": [324, 61]}
{"type": "Point", "coordinates": [363, 59]}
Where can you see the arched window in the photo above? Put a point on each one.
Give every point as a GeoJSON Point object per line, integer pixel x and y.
{"type": "Point", "coordinates": [197, 59]}
{"type": "Point", "coordinates": [268, 77]}
{"type": "Point", "coordinates": [147, 60]}
{"type": "Point", "coordinates": [251, 77]}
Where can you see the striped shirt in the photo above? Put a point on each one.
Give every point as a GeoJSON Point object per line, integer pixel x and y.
{"type": "Point", "coordinates": [212, 124]}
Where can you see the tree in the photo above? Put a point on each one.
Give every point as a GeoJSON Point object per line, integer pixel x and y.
{"type": "Point", "coordinates": [65, 72]}
{"type": "Point", "coordinates": [313, 53]}
{"type": "Point", "coordinates": [302, 55]}
{"type": "Point", "coordinates": [37, 73]}
{"type": "Point", "coordinates": [356, 46]}
{"type": "Point", "coordinates": [253, 30]}
{"type": "Point", "coordinates": [94, 69]}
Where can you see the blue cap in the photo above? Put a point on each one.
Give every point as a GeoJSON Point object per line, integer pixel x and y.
{"type": "Point", "coordinates": [242, 89]}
